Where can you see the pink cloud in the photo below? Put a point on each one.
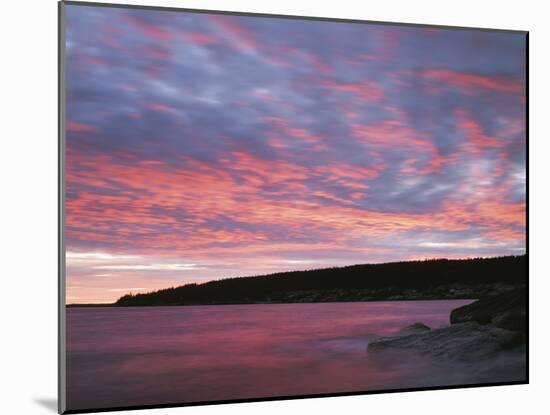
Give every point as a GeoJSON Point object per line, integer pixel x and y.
{"type": "Point", "coordinates": [471, 82]}
{"type": "Point", "coordinates": [365, 90]}
{"type": "Point", "coordinates": [154, 32]}
{"type": "Point", "coordinates": [157, 52]}
{"type": "Point", "coordinates": [78, 127]}
{"type": "Point", "coordinates": [478, 140]}
{"type": "Point", "coordinates": [281, 131]}
{"type": "Point", "coordinates": [233, 189]}
{"type": "Point", "coordinates": [388, 40]}
{"type": "Point", "coordinates": [319, 65]}
{"type": "Point", "coordinates": [93, 60]}
{"type": "Point", "coordinates": [199, 38]}
{"type": "Point", "coordinates": [158, 107]}
{"type": "Point", "coordinates": [392, 133]}
{"type": "Point", "coordinates": [239, 35]}
{"type": "Point", "coordinates": [135, 115]}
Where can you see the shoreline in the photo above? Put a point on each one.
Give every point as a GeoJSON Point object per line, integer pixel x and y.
{"type": "Point", "coordinates": [490, 333]}
{"type": "Point", "coordinates": [114, 305]}
{"type": "Point", "coordinates": [434, 293]}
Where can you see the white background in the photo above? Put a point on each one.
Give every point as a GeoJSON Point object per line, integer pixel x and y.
{"type": "Point", "coordinates": [28, 204]}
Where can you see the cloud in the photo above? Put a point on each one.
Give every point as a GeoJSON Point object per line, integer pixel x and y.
{"type": "Point", "coordinates": [97, 256]}
{"type": "Point", "coordinates": [150, 267]}
{"type": "Point", "coordinates": [77, 127]}
{"type": "Point", "coordinates": [199, 38]}
{"type": "Point", "coordinates": [159, 107]}
{"type": "Point", "coordinates": [203, 146]}
{"type": "Point", "coordinates": [239, 35]}
{"type": "Point", "coordinates": [155, 32]}
{"type": "Point", "coordinates": [470, 82]}
{"type": "Point", "coordinates": [366, 90]}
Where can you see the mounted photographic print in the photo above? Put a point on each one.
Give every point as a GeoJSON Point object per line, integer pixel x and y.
{"type": "Point", "coordinates": [258, 207]}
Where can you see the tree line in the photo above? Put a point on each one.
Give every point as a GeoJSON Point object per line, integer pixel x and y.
{"type": "Point", "coordinates": [394, 277]}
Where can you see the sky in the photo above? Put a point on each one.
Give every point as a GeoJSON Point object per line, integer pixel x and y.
{"type": "Point", "coordinates": [203, 146]}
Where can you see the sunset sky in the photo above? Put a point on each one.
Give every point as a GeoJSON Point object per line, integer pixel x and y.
{"type": "Point", "coordinates": [203, 146]}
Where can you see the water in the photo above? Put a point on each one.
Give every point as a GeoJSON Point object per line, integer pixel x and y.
{"type": "Point", "coordinates": [163, 355]}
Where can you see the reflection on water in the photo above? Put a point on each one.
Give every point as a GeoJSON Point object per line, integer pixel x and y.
{"type": "Point", "coordinates": [156, 355]}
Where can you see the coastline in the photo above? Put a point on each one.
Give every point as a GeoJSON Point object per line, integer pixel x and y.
{"type": "Point", "coordinates": [489, 335]}
{"type": "Point", "coordinates": [339, 296]}
{"type": "Point", "coordinates": [114, 305]}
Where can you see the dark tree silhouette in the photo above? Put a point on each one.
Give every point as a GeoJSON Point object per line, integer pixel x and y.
{"type": "Point", "coordinates": [428, 279]}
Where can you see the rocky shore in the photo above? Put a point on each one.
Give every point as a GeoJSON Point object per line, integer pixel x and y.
{"type": "Point", "coordinates": [391, 293]}
{"type": "Point", "coordinates": [489, 334]}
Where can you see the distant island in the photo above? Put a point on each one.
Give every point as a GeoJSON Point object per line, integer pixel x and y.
{"type": "Point", "coordinates": [409, 280]}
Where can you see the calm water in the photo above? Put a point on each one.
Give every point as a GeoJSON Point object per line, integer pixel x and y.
{"type": "Point", "coordinates": [154, 355]}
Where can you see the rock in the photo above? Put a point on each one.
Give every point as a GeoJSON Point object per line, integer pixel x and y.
{"type": "Point", "coordinates": [467, 342]}
{"type": "Point", "coordinates": [506, 310]}
{"type": "Point", "coordinates": [372, 337]}
{"type": "Point", "coordinates": [514, 320]}
{"type": "Point", "coordinates": [415, 328]}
